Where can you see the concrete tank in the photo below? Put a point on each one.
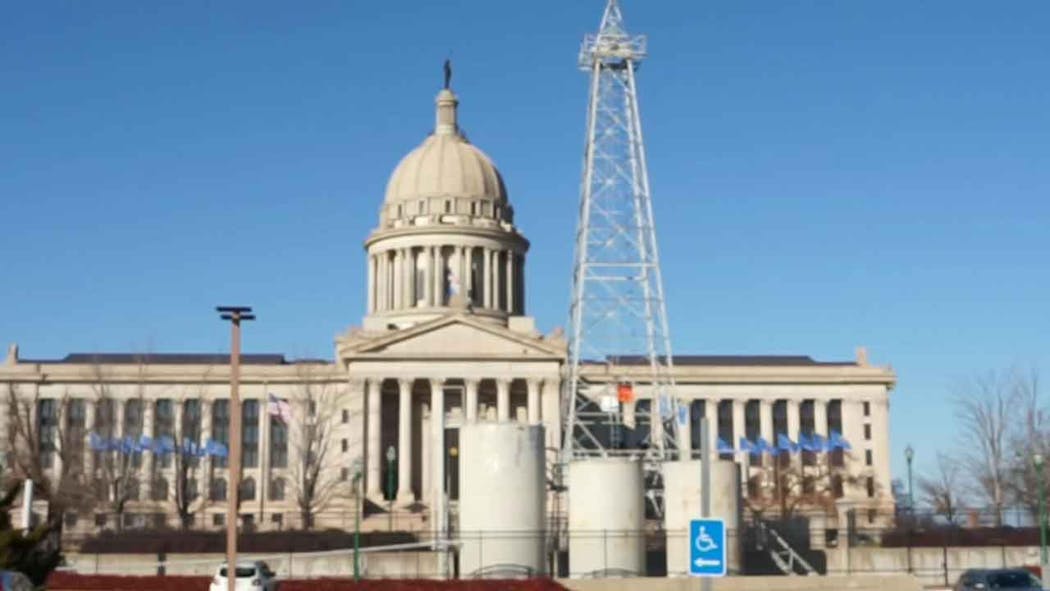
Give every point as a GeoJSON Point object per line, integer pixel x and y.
{"type": "Point", "coordinates": [502, 498]}
{"type": "Point", "coordinates": [682, 504]}
{"type": "Point", "coordinates": [606, 516]}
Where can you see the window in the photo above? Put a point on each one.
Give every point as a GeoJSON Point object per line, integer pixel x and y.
{"type": "Point", "coordinates": [346, 445]}
{"type": "Point", "coordinates": [220, 428]}
{"type": "Point", "coordinates": [191, 489]}
{"type": "Point", "coordinates": [248, 489]}
{"type": "Point", "coordinates": [752, 427]}
{"type": "Point", "coordinates": [159, 490]}
{"type": "Point", "coordinates": [47, 429]}
{"type": "Point", "coordinates": [867, 458]}
{"type": "Point", "coordinates": [218, 489]}
{"type": "Point", "coordinates": [344, 474]}
{"type": "Point", "coordinates": [725, 425]}
{"type": "Point", "coordinates": [277, 519]}
{"type": "Point", "coordinates": [871, 487]}
{"type": "Point", "coordinates": [131, 489]}
{"type": "Point", "coordinates": [838, 457]}
{"type": "Point", "coordinates": [100, 520]}
{"type": "Point", "coordinates": [278, 443]}
{"type": "Point", "coordinates": [473, 208]}
{"type": "Point", "coordinates": [422, 206]}
{"type": "Point", "coordinates": [867, 432]}
{"type": "Point", "coordinates": [70, 520]}
{"type": "Point", "coordinates": [133, 427]}
{"type": "Point", "coordinates": [836, 485]}
{"type": "Point", "coordinates": [191, 428]}
{"type": "Point", "coordinates": [867, 409]}
{"type": "Point", "coordinates": [872, 514]}
{"type": "Point", "coordinates": [218, 519]}
{"type": "Point", "coordinates": [251, 433]}
{"type": "Point", "coordinates": [277, 489]}
{"type": "Point", "coordinates": [312, 407]}
{"type": "Point", "coordinates": [248, 521]}
{"type": "Point", "coordinates": [448, 206]}
{"type": "Point", "coordinates": [346, 416]}
{"type": "Point", "coordinates": [399, 211]}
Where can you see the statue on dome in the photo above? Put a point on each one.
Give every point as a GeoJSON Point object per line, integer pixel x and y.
{"type": "Point", "coordinates": [448, 73]}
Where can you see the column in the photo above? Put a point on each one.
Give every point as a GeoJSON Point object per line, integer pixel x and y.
{"type": "Point", "coordinates": [738, 422]}
{"type": "Point", "coordinates": [437, 451]}
{"type": "Point", "coordinates": [533, 401]}
{"type": "Point", "coordinates": [820, 416]}
{"type": "Point", "coordinates": [204, 482]}
{"type": "Point", "coordinates": [148, 458]}
{"type": "Point", "coordinates": [262, 484]}
{"type": "Point", "coordinates": [468, 276]}
{"type": "Point", "coordinates": [371, 283]}
{"type": "Point", "coordinates": [486, 277]}
{"type": "Point", "coordinates": [470, 405]}
{"type": "Point", "coordinates": [89, 455]}
{"type": "Point", "coordinates": [738, 433]}
{"type": "Point", "coordinates": [373, 426]}
{"type": "Point", "coordinates": [685, 438]}
{"type": "Point", "coordinates": [765, 421]}
{"type": "Point", "coordinates": [510, 282]}
{"type": "Point", "coordinates": [439, 278]}
{"type": "Point", "coordinates": [399, 276]}
{"type": "Point", "coordinates": [497, 285]}
{"type": "Point", "coordinates": [502, 400]}
{"type": "Point", "coordinates": [404, 441]}
{"type": "Point", "coordinates": [792, 407]}
{"type": "Point", "coordinates": [380, 281]}
{"type": "Point", "coordinates": [853, 432]}
{"type": "Point", "coordinates": [711, 415]}
{"type": "Point", "coordinates": [410, 279]}
{"type": "Point", "coordinates": [424, 453]}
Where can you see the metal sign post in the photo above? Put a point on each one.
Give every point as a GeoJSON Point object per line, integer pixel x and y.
{"type": "Point", "coordinates": [705, 491]}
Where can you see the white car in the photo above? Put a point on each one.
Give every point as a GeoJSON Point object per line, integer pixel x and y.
{"type": "Point", "coordinates": [250, 576]}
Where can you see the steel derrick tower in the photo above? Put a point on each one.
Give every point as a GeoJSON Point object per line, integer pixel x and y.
{"type": "Point", "coordinates": [619, 343]}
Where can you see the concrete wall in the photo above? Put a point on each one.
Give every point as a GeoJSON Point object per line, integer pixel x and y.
{"type": "Point", "coordinates": [374, 565]}
{"type": "Point", "coordinates": [833, 583]}
{"type": "Point", "coordinates": [928, 563]}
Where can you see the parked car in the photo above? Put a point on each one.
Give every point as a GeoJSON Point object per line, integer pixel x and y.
{"type": "Point", "coordinates": [250, 576]}
{"type": "Point", "coordinates": [1000, 579]}
{"type": "Point", "coordinates": [11, 580]}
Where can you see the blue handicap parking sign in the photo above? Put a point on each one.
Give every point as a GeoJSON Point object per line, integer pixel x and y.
{"type": "Point", "coordinates": [707, 548]}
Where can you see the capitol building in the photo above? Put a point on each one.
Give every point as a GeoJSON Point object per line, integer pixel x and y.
{"type": "Point", "coordinates": [445, 341]}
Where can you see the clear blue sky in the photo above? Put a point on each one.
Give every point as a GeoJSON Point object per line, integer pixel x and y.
{"type": "Point", "coordinates": [825, 174]}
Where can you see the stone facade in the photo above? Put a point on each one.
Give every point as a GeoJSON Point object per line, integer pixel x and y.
{"type": "Point", "coordinates": [445, 340]}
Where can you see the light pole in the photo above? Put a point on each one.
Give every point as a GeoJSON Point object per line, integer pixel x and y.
{"type": "Point", "coordinates": [1037, 459]}
{"type": "Point", "coordinates": [356, 483]}
{"type": "Point", "coordinates": [391, 457]}
{"type": "Point", "coordinates": [909, 455]}
{"type": "Point", "coordinates": [235, 314]}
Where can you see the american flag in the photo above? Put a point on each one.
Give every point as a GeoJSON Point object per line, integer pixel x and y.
{"type": "Point", "coordinates": [279, 407]}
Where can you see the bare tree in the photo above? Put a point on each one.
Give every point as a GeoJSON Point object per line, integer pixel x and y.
{"type": "Point", "coordinates": [983, 409]}
{"type": "Point", "coordinates": [943, 489]}
{"type": "Point", "coordinates": [117, 469]}
{"type": "Point", "coordinates": [45, 440]}
{"type": "Point", "coordinates": [787, 486]}
{"type": "Point", "coordinates": [314, 481]}
{"type": "Point", "coordinates": [187, 465]}
{"type": "Point", "coordinates": [1029, 436]}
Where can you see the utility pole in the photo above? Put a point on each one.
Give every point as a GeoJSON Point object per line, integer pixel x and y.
{"type": "Point", "coordinates": [234, 314]}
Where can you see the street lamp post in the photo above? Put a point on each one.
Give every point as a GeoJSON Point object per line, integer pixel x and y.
{"type": "Point", "coordinates": [909, 455]}
{"type": "Point", "coordinates": [356, 483]}
{"type": "Point", "coordinates": [1037, 459]}
{"type": "Point", "coordinates": [235, 314]}
{"type": "Point", "coordinates": [391, 457]}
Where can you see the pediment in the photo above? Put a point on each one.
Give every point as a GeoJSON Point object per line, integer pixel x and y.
{"type": "Point", "coordinates": [457, 336]}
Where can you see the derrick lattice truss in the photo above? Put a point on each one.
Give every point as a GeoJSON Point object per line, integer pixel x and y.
{"type": "Point", "coordinates": [618, 395]}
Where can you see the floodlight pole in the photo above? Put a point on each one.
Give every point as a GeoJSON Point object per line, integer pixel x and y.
{"type": "Point", "coordinates": [235, 314]}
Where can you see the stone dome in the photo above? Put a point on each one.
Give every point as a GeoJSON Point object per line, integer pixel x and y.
{"type": "Point", "coordinates": [446, 165]}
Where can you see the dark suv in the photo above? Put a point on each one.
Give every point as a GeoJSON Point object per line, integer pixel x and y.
{"type": "Point", "coordinates": [1001, 579]}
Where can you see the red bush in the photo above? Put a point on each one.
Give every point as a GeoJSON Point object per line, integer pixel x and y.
{"type": "Point", "coordinates": [63, 581]}
{"type": "Point", "coordinates": [421, 585]}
